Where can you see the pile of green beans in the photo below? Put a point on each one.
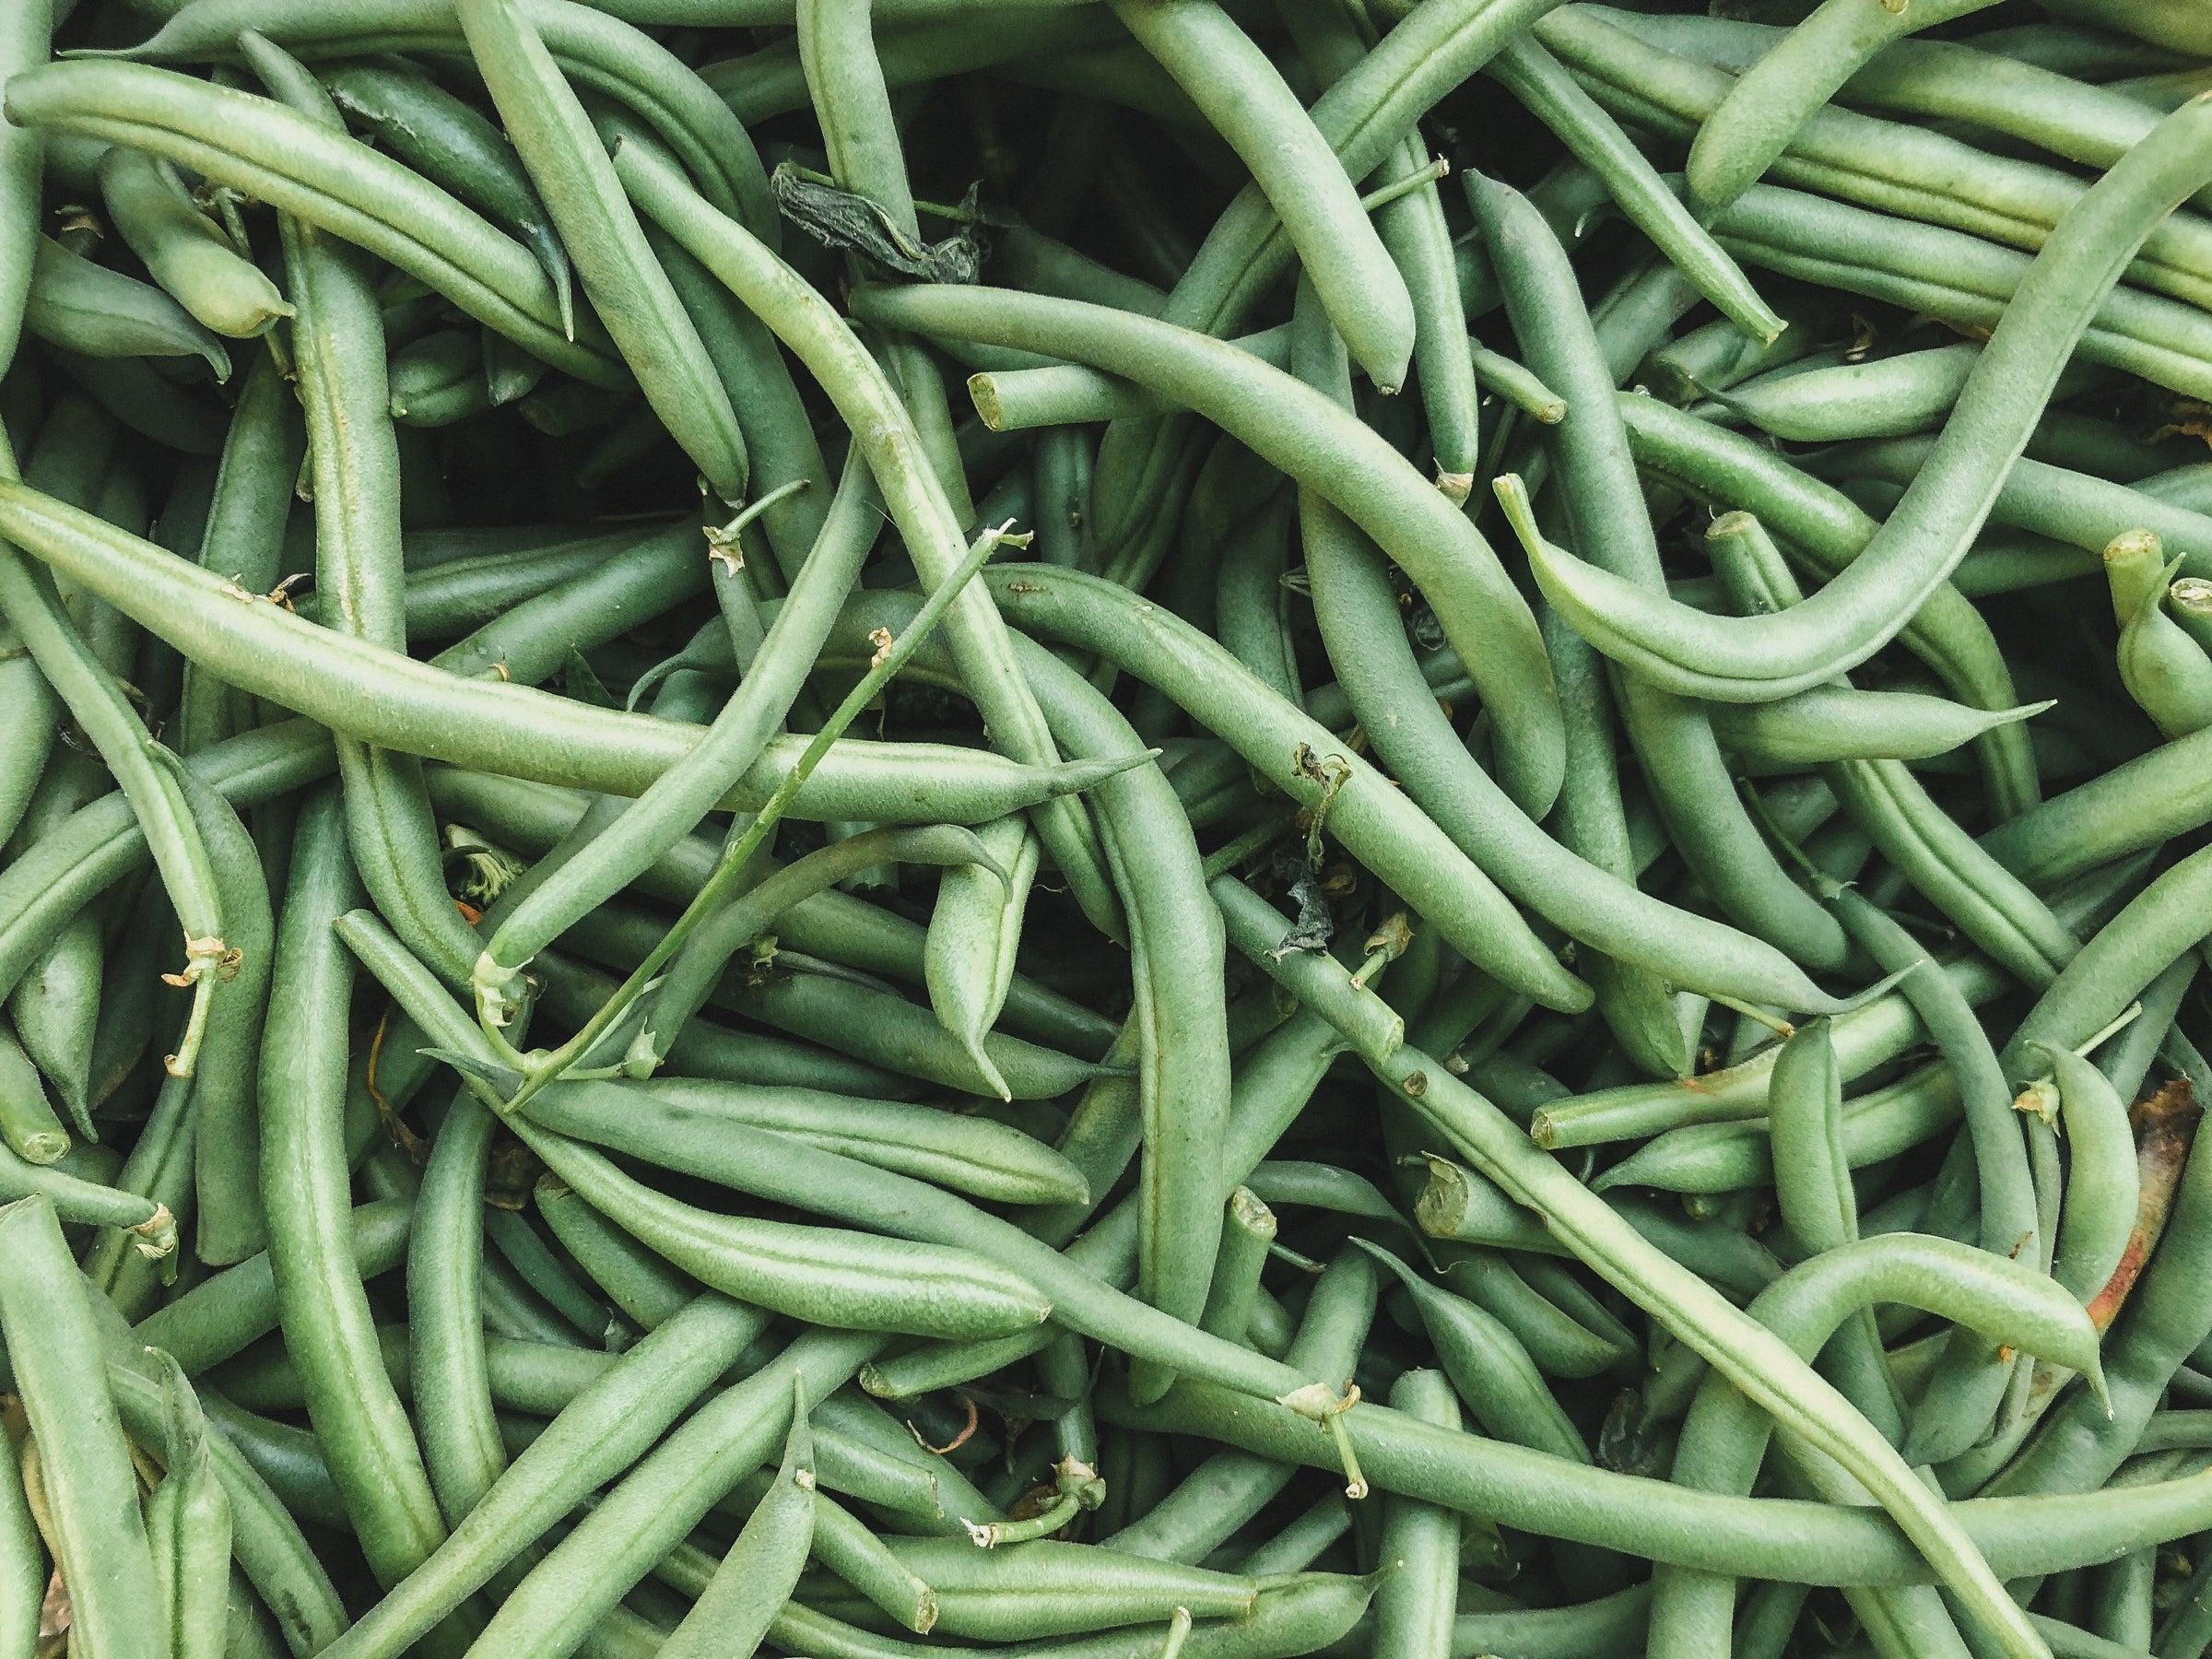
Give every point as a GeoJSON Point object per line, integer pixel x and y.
{"type": "Point", "coordinates": [1219, 829]}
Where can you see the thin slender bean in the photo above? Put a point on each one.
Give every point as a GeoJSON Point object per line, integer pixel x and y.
{"type": "Point", "coordinates": [324, 1311]}
{"type": "Point", "coordinates": [598, 227]}
{"type": "Point", "coordinates": [756, 1578]}
{"type": "Point", "coordinates": [1532, 75]}
{"type": "Point", "coordinates": [90, 1490]}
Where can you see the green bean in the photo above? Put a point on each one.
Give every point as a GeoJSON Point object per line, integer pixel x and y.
{"type": "Point", "coordinates": [779, 436]}
{"type": "Point", "coordinates": [1177, 939]}
{"type": "Point", "coordinates": [1163, 652]}
{"type": "Point", "coordinates": [913, 53]}
{"type": "Point", "coordinates": [1769, 1539]}
{"type": "Point", "coordinates": [1926, 536]}
{"type": "Point", "coordinates": [1258, 929]}
{"type": "Point", "coordinates": [1532, 76]}
{"type": "Point", "coordinates": [451, 600]}
{"type": "Point", "coordinates": [55, 1009]}
{"type": "Point", "coordinates": [26, 1123]}
{"type": "Point", "coordinates": [1950, 80]}
{"type": "Point", "coordinates": [805, 323]}
{"type": "Point", "coordinates": [189, 255]}
{"type": "Point", "coordinates": [225, 1142]}
{"type": "Point", "coordinates": [1458, 1204]}
{"type": "Point", "coordinates": [1947, 632]}
{"type": "Point", "coordinates": [1786, 89]}
{"type": "Point", "coordinates": [572, 993]}
{"type": "Point", "coordinates": [2085, 1438]}
{"type": "Point", "coordinates": [2056, 501]}
{"type": "Point", "coordinates": [1725, 1157]}
{"type": "Point", "coordinates": [91, 1492]}
{"type": "Point", "coordinates": [838, 1277]}
{"type": "Point", "coordinates": [457, 147]}
{"type": "Point", "coordinates": [598, 49]}
{"type": "Point", "coordinates": [1926, 176]}
{"type": "Point", "coordinates": [597, 226]}
{"type": "Point", "coordinates": [1636, 1002]}
{"type": "Point", "coordinates": [832, 924]}
{"type": "Point", "coordinates": [228, 1311]}
{"type": "Point", "coordinates": [1048, 1589]}
{"type": "Point", "coordinates": [789, 1171]}
{"type": "Point", "coordinates": [1290, 157]}
{"type": "Point", "coordinates": [89, 308]}
{"type": "Point", "coordinates": [1277, 1078]}
{"type": "Point", "coordinates": [1884, 397]}
{"type": "Point", "coordinates": [1991, 907]}
{"type": "Point", "coordinates": [23, 46]}
{"type": "Point", "coordinates": [1414, 229]}
{"type": "Point", "coordinates": [1362, 115]}
{"type": "Point", "coordinates": [531, 641]}
{"type": "Point", "coordinates": [646, 1289]}
{"type": "Point", "coordinates": [893, 1033]}
{"type": "Point", "coordinates": [847, 1419]}
{"type": "Point", "coordinates": [1519, 387]}
{"type": "Point", "coordinates": [852, 105]}
{"type": "Point", "coordinates": [188, 1527]}
{"type": "Point", "coordinates": [974, 931]}
{"type": "Point", "coordinates": [756, 1578]}
{"type": "Point", "coordinates": [1724, 1436]}
{"type": "Point", "coordinates": [966, 1154]}
{"type": "Point", "coordinates": [1301, 432]}
{"type": "Point", "coordinates": [693, 970]}
{"type": "Point", "coordinates": [1416, 1608]}
{"type": "Point", "coordinates": [1014, 400]}
{"type": "Point", "coordinates": [256, 146]}
{"type": "Point", "coordinates": [23, 1561]}
{"type": "Point", "coordinates": [461, 1443]}
{"type": "Point", "coordinates": [353, 458]}
{"type": "Point", "coordinates": [145, 401]}
{"type": "Point", "coordinates": [2163, 668]}
{"type": "Point", "coordinates": [1246, 1236]}
{"type": "Point", "coordinates": [2101, 1183]}
{"type": "Point", "coordinates": [267, 652]}
{"type": "Point", "coordinates": [1306, 1613]}
{"type": "Point", "coordinates": [243, 540]}
{"type": "Point", "coordinates": [1718, 354]}
{"type": "Point", "coordinates": [1671, 737]}
{"type": "Point", "coordinates": [2117, 962]}
{"type": "Point", "coordinates": [1958, 278]}
{"type": "Point", "coordinates": [439, 380]}
{"type": "Point", "coordinates": [1490, 1370]}
{"type": "Point", "coordinates": [324, 1311]}
{"type": "Point", "coordinates": [1812, 1189]}
{"type": "Point", "coordinates": [30, 735]}
{"type": "Point", "coordinates": [270, 1549]}
{"type": "Point", "coordinates": [1834, 724]}
{"type": "Point", "coordinates": [1251, 604]}
{"type": "Point", "coordinates": [1614, 1623]}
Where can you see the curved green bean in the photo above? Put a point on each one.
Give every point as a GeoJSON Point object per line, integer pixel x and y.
{"type": "Point", "coordinates": [1301, 432]}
